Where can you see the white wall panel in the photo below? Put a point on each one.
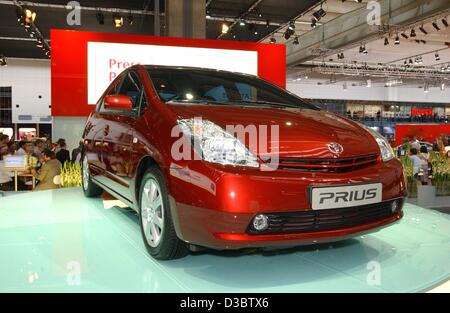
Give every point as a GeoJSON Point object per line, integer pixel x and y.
{"type": "Point", "coordinates": [30, 82]}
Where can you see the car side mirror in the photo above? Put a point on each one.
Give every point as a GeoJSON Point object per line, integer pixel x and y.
{"type": "Point", "coordinates": [118, 102]}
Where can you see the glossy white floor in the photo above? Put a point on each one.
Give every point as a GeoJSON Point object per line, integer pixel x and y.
{"type": "Point", "coordinates": [59, 241]}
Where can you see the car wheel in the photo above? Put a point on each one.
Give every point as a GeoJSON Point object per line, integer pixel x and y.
{"type": "Point", "coordinates": [157, 228]}
{"type": "Point", "coordinates": [89, 188]}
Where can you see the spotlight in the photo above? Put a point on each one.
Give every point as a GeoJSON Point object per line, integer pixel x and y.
{"type": "Point", "coordinates": [267, 24]}
{"type": "Point", "coordinates": [225, 28]}
{"type": "Point", "coordinates": [444, 21]}
{"type": "Point", "coordinates": [319, 14]}
{"type": "Point", "coordinates": [296, 42]}
{"type": "Point", "coordinates": [361, 49]}
{"type": "Point", "coordinates": [413, 33]}
{"type": "Point", "coordinates": [404, 35]}
{"type": "Point", "coordinates": [410, 61]}
{"type": "Point", "coordinates": [423, 30]}
{"type": "Point", "coordinates": [100, 18]}
{"type": "Point", "coordinates": [291, 25]}
{"type": "Point", "coordinates": [208, 14]}
{"type": "Point", "coordinates": [118, 21]}
{"type": "Point", "coordinates": [258, 12]}
{"type": "Point", "coordinates": [39, 43]}
{"type": "Point", "coordinates": [130, 19]}
{"type": "Point", "coordinates": [397, 40]}
{"type": "Point", "coordinates": [365, 50]}
{"type": "Point", "coordinates": [386, 41]}
{"type": "Point", "coordinates": [30, 17]}
{"type": "Point", "coordinates": [437, 57]}
{"type": "Point", "coordinates": [3, 60]}
{"type": "Point", "coordinates": [273, 40]}
{"type": "Point", "coordinates": [241, 22]}
{"type": "Point", "coordinates": [435, 25]}
{"type": "Point", "coordinates": [313, 23]}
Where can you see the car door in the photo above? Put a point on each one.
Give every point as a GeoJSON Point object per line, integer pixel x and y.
{"type": "Point", "coordinates": [118, 137]}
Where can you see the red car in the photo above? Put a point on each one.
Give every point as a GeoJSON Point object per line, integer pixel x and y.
{"type": "Point", "coordinates": [160, 141]}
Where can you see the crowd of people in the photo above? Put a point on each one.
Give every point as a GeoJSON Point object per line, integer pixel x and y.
{"type": "Point", "coordinates": [44, 161]}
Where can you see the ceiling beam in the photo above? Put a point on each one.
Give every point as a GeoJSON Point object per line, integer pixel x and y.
{"type": "Point", "coordinates": [253, 6]}
{"type": "Point", "coordinates": [352, 28]}
{"type": "Point", "coordinates": [83, 8]}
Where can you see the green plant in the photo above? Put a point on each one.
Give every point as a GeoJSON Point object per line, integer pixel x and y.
{"type": "Point", "coordinates": [71, 175]}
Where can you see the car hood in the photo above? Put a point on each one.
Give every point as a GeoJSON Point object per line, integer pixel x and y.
{"type": "Point", "coordinates": [302, 132]}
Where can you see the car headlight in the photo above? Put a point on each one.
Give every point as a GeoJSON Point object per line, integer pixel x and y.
{"type": "Point", "coordinates": [215, 145]}
{"type": "Point", "coordinates": [385, 148]}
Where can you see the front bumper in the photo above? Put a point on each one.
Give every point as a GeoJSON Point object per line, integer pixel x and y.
{"type": "Point", "coordinates": [213, 208]}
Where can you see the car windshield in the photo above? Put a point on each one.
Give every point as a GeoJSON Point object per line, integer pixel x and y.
{"type": "Point", "coordinates": [205, 87]}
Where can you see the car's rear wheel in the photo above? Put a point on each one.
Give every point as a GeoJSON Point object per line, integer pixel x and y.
{"type": "Point", "coordinates": [157, 228]}
{"type": "Point", "coordinates": [90, 189]}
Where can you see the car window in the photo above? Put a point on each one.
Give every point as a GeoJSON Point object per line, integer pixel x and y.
{"type": "Point", "coordinates": [203, 86]}
{"type": "Point", "coordinates": [131, 87]}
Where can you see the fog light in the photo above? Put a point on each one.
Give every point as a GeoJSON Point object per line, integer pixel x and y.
{"type": "Point", "coordinates": [395, 206]}
{"type": "Point", "coordinates": [260, 222]}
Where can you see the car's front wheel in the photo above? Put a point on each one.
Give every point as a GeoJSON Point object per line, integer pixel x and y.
{"type": "Point", "coordinates": [89, 188]}
{"type": "Point", "coordinates": [157, 228]}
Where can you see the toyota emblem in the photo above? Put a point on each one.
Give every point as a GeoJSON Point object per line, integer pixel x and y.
{"type": "Point", "coordinates": [335, 148]}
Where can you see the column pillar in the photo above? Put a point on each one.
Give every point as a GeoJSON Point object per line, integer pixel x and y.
{"type": "Point", "coordinates": [186, 18]}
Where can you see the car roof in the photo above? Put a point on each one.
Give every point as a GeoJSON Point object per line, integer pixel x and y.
{"type": "Point", "coordinates": [156, 67]}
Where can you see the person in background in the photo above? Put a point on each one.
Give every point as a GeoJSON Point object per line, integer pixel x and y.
{"type": "Point", "coordinates": [51, 167]}
{"type": "Point", "coordinates": [59, 143]}
{"type": "Point", "coordinates": [4, 139]}
{"type": "Point", "coordinates": [424, 157]}
{"type": "Point", "coordinates": [39, 146]}
{"type": "Point", "coordinates": [76, 153]}
{"type": "Point", "coordinates": [25, 148]}
{"type": "Point", "coordinates": [63, 154]}
{"type": "Point", "coordinates": [6, 182]}
{"type": "Point", "coordinates": [415, 144]}
{"type": "Point", "coordinates": [417, 162]}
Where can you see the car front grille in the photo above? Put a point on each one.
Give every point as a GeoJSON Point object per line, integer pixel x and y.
{"type": "Point", "coordinates": [327, 165]}
{"type": "Point", "coordinates": [322, 220]}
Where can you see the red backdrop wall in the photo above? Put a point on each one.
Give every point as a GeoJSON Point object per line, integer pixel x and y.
{"type": "Point", "coordinates": [69, 65]}
{"type": "Point", "coordinates": [427, 132]}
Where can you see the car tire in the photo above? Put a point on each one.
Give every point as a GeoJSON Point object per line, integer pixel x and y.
{"type": "Point", "coordinates": [158, 231]}
{"type": "Point", "coordinates": [90, 189]}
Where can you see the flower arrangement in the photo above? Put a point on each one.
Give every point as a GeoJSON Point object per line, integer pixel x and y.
{"type": "Point", "coordinates": [71, 175]}
{"type": "Point", "coordinates": [441, 173]}
{"type": "Point", "coordinates": [408, 173]}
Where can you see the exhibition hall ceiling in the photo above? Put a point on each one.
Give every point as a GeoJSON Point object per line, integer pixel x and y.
{"type": "Point", "coordinates": [262, 17]}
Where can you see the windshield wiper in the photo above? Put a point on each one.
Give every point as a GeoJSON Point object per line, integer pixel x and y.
{"type": "Point", "coordinates": [267, 103]}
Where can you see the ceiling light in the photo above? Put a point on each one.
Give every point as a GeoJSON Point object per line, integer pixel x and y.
{"type": "Point", "coordinates": [296, 42]}
{"type": "Point", "coordinates": [100, 18]}
{"type": "Point", "coordinates": [3, 60]}
{"type": "Point", "coordinates": [410, 61]}
{"type": "Point", "coordinates": [241, 22]}
{"type": "Point", "coordinates": [319, 14]}
{"type": "Point", "coordinates": [30, 16]}
{"type": "Point", "coordinates": [365, 50]}
{"type": "Point", "coordinates": [291, 25]}
{"type": "Point", "coordinates": [208, 14]}
{"type": "Point", "coordinates": [444, 21]}
{"type": "Point", "coordinates": [273, 40]}
{"type": "Point", "coordinates": [386, 41]}
{"type": "Point", "coordinates": [435, 25]}
{"type": "Point", "coordinates": [130, 19]}
{"type": "Point", "coordinates": [313, 23]}
{"type": "Point", "coordinates": [413, 33]}
{"type": "Point", "coordinates": [225, 28]}
{"type": "Point", "coordinates": [397, 40]}
{"type": "Point", "coordinates": [437, 57]}
{"type": "Point", "coordinates": [39, 43]}
{"type": "Point", "coordinates": [118, 21]}
{"type": "Point", "coordinates": [423, 30]}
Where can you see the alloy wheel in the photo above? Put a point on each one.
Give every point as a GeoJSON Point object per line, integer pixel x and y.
{"type": "Point", "coordinates": [152, 212]}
